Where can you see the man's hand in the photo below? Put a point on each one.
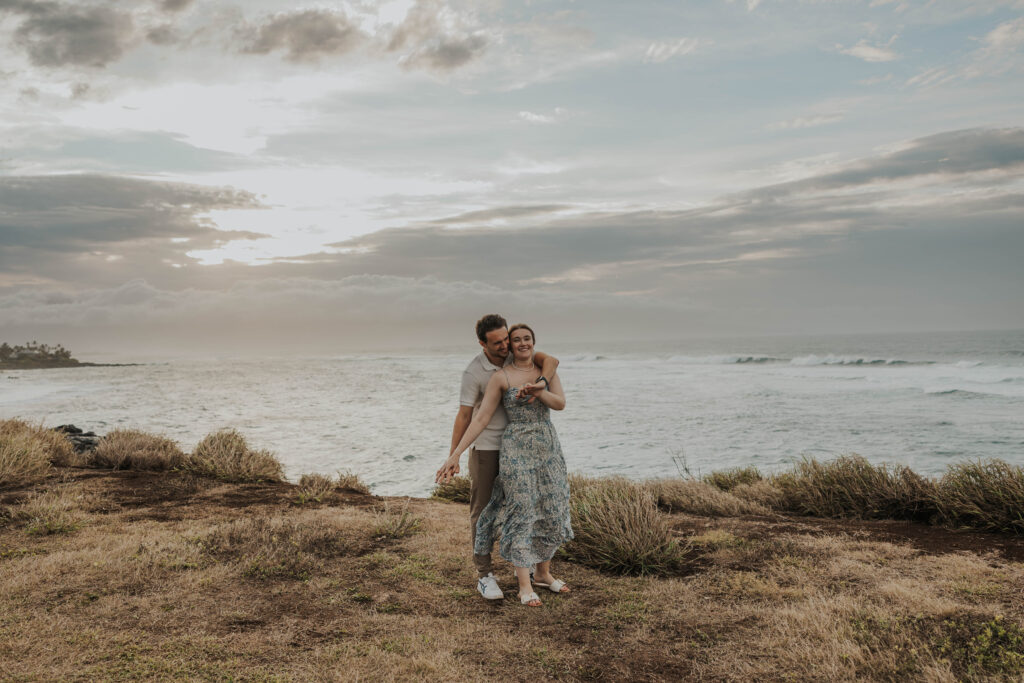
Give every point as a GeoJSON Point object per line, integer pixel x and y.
{"type": "Point", "coordinates": [448, 470]}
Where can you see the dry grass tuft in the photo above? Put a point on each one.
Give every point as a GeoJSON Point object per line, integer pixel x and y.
{"type": "Point", "coordinates": [226, 455]}
{"type": "Point", "coordinates": [50, 512]}
{"type": "Point", "coordinates": [699, 498]}
{"type": "Point", "coordinates": [727, 480]}
{"type": "Point", "coordinates": [313, 488]}
{"type": "Point", "coordinates": [455, 489]}
{"type": "Point", "coordinates": [618, 529]}
{"type": "Point", "coordinates": [23, 460]}
{"type": "Point", "coordinates": [763, 492]}
{"type": "Point", "coordinates": [393, 522]}
{"type": "Point", "coordinates": [984, 495]}
{"type": "Point", "coordinates": [27, 451]}
{"type": "Point", "coordinates": [348, 481]}
{"type": "Point", "coordinates": [850, 486]}
{"type": "Point", "coordinates": [131, 449]}
{"type": "Point", "coordinates": [276, 547]}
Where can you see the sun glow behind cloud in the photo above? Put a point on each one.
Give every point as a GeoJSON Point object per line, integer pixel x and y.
{"type": "Point", "coordinates": [652, 157]}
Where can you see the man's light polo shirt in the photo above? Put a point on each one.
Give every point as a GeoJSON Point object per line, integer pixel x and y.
{"type": "Point", "coordinates": [474, 382]}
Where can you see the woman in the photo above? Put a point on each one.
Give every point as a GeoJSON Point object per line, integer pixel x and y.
{"type": "Point", "coordinates": [530, 503]}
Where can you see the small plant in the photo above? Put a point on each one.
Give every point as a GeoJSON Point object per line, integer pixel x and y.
{"type": "Point", "coordinates": [727, 480]}
{"type": "Point", "coordinates": [850, 486]}
{"type": "Point", "coordinates": [226, 455]}
{"type": "Point", "coordinates": [395, 523]}
{"type": "Point", "coordinates": [313, 488]}
{"type": "Point", "coordinates": [983, 495]}
{"type": "Point", "coordinates": [28, 450]}
{"type": "Point", "coordinates": [699, 498]}
{"type": "Point", "coordinates": [23, 460]}
{"type": "Point", "coordinates": [131, 449]}
{"type": "Point", "coordinates": [618, 529]}
{"type": "Point", "coordinates": [349, 481]}
{"type": "Point", "coordinates": [976, 647]}
{"type": "Point", "coordinates": [455, 489]}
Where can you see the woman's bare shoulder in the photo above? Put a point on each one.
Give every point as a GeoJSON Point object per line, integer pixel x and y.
{"type": "Point", "coordinates": [499, 379]}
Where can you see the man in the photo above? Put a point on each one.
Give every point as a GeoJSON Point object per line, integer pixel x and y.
{"type": "Point", "coordinates": [492, 333]}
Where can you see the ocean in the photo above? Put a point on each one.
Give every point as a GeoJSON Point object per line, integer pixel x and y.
{"type": "Point", "coordinates": [639, 410]}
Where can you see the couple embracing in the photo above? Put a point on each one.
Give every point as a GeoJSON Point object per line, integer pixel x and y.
{"type": "Point", "coordinates": [519, 488]}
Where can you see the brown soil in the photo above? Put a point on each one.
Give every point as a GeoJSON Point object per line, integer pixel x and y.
{"type": "Point", "coordinates": [927, 539]}
{"type": "Point", "coordinates": [132, 595]}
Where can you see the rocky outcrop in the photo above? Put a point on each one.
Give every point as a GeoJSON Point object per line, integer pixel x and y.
{"type": "Point", "coordinates": [82, 441]}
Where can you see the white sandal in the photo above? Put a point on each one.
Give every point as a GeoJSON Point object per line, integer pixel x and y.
{"type": "Point", "coordinates": [555, 586]}
{"type": "Point", "coordinates": [528, 598]}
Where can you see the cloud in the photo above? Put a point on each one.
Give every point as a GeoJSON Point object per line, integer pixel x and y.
{"type": "Point", "coordinates": [543, 119]}
{"type": "Point", "coordinates": [869, 53]}
{"type": "Point", "coordinates": [1007, 36]}
{"type": "Point", "coordinates": [432, 36]}
{"type": "Point", "coordinates": [174, 5]}
{"type": "Point", "coordinates": [60, 227]}
{"type": "Point", "coordinates": [284, 314]}
{"type": "Point", "coordinates": [57, 34]}
{"type": "Point", "coordinates": [501, 213]}
{"type": "Point", "coordinates": [811, 121]}
{"type": "Point", "coordinates": [954, 153]}
{"type": "Point", "coordinates": [663, 51]}
{"type": "Point", "coordinates": [304, 36]}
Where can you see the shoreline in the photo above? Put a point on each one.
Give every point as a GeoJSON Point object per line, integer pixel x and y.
{"type": "Point", "coordinates": [55, 366]}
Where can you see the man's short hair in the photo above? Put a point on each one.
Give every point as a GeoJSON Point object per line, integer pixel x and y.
{"type": "Point", "coordinates": [489, 323]}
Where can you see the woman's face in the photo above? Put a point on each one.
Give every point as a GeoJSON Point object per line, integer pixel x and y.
{"type": "Point", "coordinates": [521, 342]}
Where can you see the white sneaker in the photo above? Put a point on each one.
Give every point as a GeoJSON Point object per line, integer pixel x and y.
{"type": "Point", "coordinates": [488, 587]}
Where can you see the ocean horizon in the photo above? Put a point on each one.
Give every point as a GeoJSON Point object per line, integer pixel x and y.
{"type": "Point", "coordinates": [639, 410]}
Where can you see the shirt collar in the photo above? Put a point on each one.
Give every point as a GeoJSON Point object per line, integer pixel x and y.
{"type": "Point", "coordinates": [488, 365]}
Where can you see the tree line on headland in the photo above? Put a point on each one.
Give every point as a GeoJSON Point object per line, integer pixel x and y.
{"type": "Point", "coordinates": [35, 355]}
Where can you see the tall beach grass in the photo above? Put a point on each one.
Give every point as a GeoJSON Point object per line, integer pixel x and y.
{"type": "Point", "coordinates": [131, 449]}
{"type": "Point", "coordinates": [28, 450]}
{"type": "Point", "coordinates": [226, 455]}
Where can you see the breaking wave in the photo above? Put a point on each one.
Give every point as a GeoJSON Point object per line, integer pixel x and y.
{"type": "Point", "coordinates": [853, 360]}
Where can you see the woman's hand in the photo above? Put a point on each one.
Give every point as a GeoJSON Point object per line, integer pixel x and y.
{"type": "Point", "coordinates": [530, 390]}
{"type": "Point", "coordinates": [448, 470]}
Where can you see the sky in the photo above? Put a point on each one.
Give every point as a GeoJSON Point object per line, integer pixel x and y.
{"type": "Point", "coordinates": [208, 175]}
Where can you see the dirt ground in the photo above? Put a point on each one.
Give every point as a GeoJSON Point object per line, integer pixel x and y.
{"type": "Point", "coordinates": [170, 576]}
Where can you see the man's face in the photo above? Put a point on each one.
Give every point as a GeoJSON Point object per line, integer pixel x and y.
{"type": "Point", "coordinates": [497, 343]}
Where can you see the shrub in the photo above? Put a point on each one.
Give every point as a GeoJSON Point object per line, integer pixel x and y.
{"type": "Point", "coordinates": [313, 487]}
{"type": "Point", "coordinates": [455, 489]}
{"type": "Point", "coordinates": [395, 523]}
{"type": "Point", "coordinates": [130, 449]}
{"type": "Point", "coordinates": [275, 547]}
{"type": "Point", "coordinates": [727, 480]}
{"type": "Point", "coordinates": [226, 455]}
{"type": "Point", "coordinates": [24, 458]}
{"type": "Point", "coordinates": [699, 498]}
{"type": "Point", "coordinates": [763, 492]}
{"type": "Point", "coordinates": [983, 495]}
{"type": "Point", "coordinates": [618, 529]}
{"type": "Point", "coordinates": [348, 481]}
{"type": "Point", "coordinates": [55, 447]}
{"type": "Point", "coordinates": [850, 486]}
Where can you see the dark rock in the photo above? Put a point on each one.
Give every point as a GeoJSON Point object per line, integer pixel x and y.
{"type": "Point", "coordinates": [82, 441]}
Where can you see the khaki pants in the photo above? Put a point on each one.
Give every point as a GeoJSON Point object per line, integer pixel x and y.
{"type": "Point", "coordinates": [483, 468]}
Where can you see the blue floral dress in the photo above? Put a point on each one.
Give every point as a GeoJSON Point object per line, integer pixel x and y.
{"type": "Point", "coordinates": [529, 506]}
